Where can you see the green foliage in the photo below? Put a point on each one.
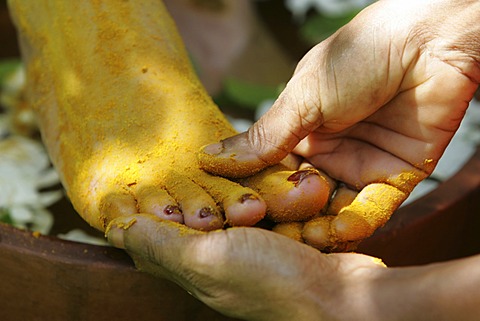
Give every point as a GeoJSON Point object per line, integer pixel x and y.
{"type": "Point", "coordinates": [320, 27]}
{"type": "Point", "coordinates": [248, 94]}
{"type": "Point", "coordinates": [7, 67]}
{"type": "Point", "coordinates": [5, 216]}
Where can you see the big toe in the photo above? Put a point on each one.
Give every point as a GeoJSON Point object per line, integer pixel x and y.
{"type": "Point", "coordinates": [291, 195]}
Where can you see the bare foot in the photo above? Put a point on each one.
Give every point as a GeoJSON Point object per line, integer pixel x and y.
{"type": "Point", "coordinates": [123, 115]}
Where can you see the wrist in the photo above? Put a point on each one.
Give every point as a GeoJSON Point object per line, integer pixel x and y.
{"type": "Point", "coordinates": [351, 287]}
{"type": "Point", "coordinates": [437, 292]}
{"type": "Point", "coordinates": [452, 289]}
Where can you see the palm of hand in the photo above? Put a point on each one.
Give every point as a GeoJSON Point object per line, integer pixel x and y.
{"type": "Point", "coordinates": [407, 134]}
{"type": "Point", "coordinates": [234, 270]}
{"type": "Point", "coordinates": [379, 127]}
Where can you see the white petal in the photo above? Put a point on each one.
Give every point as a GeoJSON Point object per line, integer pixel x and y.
{"type": "Point", "coordinates": [21, 214]}
{"type": "Point", "coordinates": [81, 236]}
{"type": "Point", "coordinates": [42, 221]}
{"type": "Point", "coordinates": [48, 178]}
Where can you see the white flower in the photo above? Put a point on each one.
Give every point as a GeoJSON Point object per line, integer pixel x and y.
{"type": "Point", "coordinates": [24, 169]}
{"type": "Point", "coordinates": [299, 8]}
{"type": "Point", "coordinates": [78, 235]}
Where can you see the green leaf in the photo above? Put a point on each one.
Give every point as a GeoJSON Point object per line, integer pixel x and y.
{"type": "Point", "coordinates": [248, 94]}
{"type": "Point", "coordinates": [5, 216]}
{"type": "Point", "coordinates": [320, 27]}
{"type": "Point", "coordinates": [7, 67]}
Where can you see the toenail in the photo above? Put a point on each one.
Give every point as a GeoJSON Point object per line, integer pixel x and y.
{"type": "Point", "coordinates": [171, 209]}
{"type": "Point", "coordinates": [206, 212]}
{"type": "Point", "coordinates": [213, 149]}
{"type": "Point", "coordinates": [248, 197]}
{"type": "Point", "coordinates": [299, 176]}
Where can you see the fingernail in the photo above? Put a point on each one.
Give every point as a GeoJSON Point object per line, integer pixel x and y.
{"type": "Point", "coordinates": [248, 197]}
{"type": "Point", "coordinates": [299, 176]}
{"type": "Point", "coordinates": [213, 149]}
{"type": "Point", "coordinates": [115, 237]}
{"type": "Point", "coordinates": [116, 229]}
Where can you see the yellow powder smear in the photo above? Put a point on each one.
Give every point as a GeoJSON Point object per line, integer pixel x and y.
{"type": "Point", "coordinates": [370, 210]}
{"type": "Point", "coordinates": [121, 225]}
{"type": "Point", "coordinates": [186, 231]}
{"type": "Point", "coordinates": [292, 230]}
{"type": "Point", "coordinates": [407, 180]}
{"type": "Point", "coordinates": [127, 225]}
{"type": "Point", "coordinates": [378, 261]}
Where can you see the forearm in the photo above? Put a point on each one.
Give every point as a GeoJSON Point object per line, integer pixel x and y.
{"type": "Point", "coordinates": [441, 291]}
{"type": "Point", "coordinates": [454, 289]}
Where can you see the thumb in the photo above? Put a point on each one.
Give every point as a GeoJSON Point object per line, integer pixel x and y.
{"type": "Point", "coordinates": [338, 83]}
{"type": "Point", "coordinates": [293, 116]}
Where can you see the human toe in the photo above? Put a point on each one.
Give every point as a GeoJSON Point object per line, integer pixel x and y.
{"type": "Point", "coordinates": [113, 205]}
{"type": "Point", "coordinates": [242, 206]}
{"type": "Point", "coordinates": [291, 195]}
{"type": "Point", "coordinates": [199, 209]}
{"type": "Point", "coordinates": [155, 200]}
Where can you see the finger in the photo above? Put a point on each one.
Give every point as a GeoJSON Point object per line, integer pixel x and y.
{"type": "Point", "coordinates": [370, 209]}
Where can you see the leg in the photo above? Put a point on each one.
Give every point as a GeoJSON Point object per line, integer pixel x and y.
{"type": "Point", "coordinates": [123, 115]}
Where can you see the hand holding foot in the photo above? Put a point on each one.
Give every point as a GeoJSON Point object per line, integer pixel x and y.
{"type": "Point", "coordinates": [245, 273]}
{"type": "Point", "coordinates": [374, 107]}
{"type": "Point", "coordinates": [254, 274]}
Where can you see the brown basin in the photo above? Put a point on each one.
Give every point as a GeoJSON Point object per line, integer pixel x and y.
{"type": "Point", "coordinates": [46, 278]}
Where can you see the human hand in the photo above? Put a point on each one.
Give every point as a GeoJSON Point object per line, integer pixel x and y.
{"type": "Point", "coordinates": [255, 274]}
{"type": "Point", "coordinates": [250, 273]}
{"type": "Point", "coordinates": [374, 107]}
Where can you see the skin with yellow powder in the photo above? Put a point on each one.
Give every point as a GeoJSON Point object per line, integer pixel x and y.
{"type": "Point", "coordinates": [123, 115]}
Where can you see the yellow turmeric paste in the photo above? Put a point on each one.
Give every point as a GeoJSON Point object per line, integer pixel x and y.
{"type": "Point", "coordinates": [118, 102]}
